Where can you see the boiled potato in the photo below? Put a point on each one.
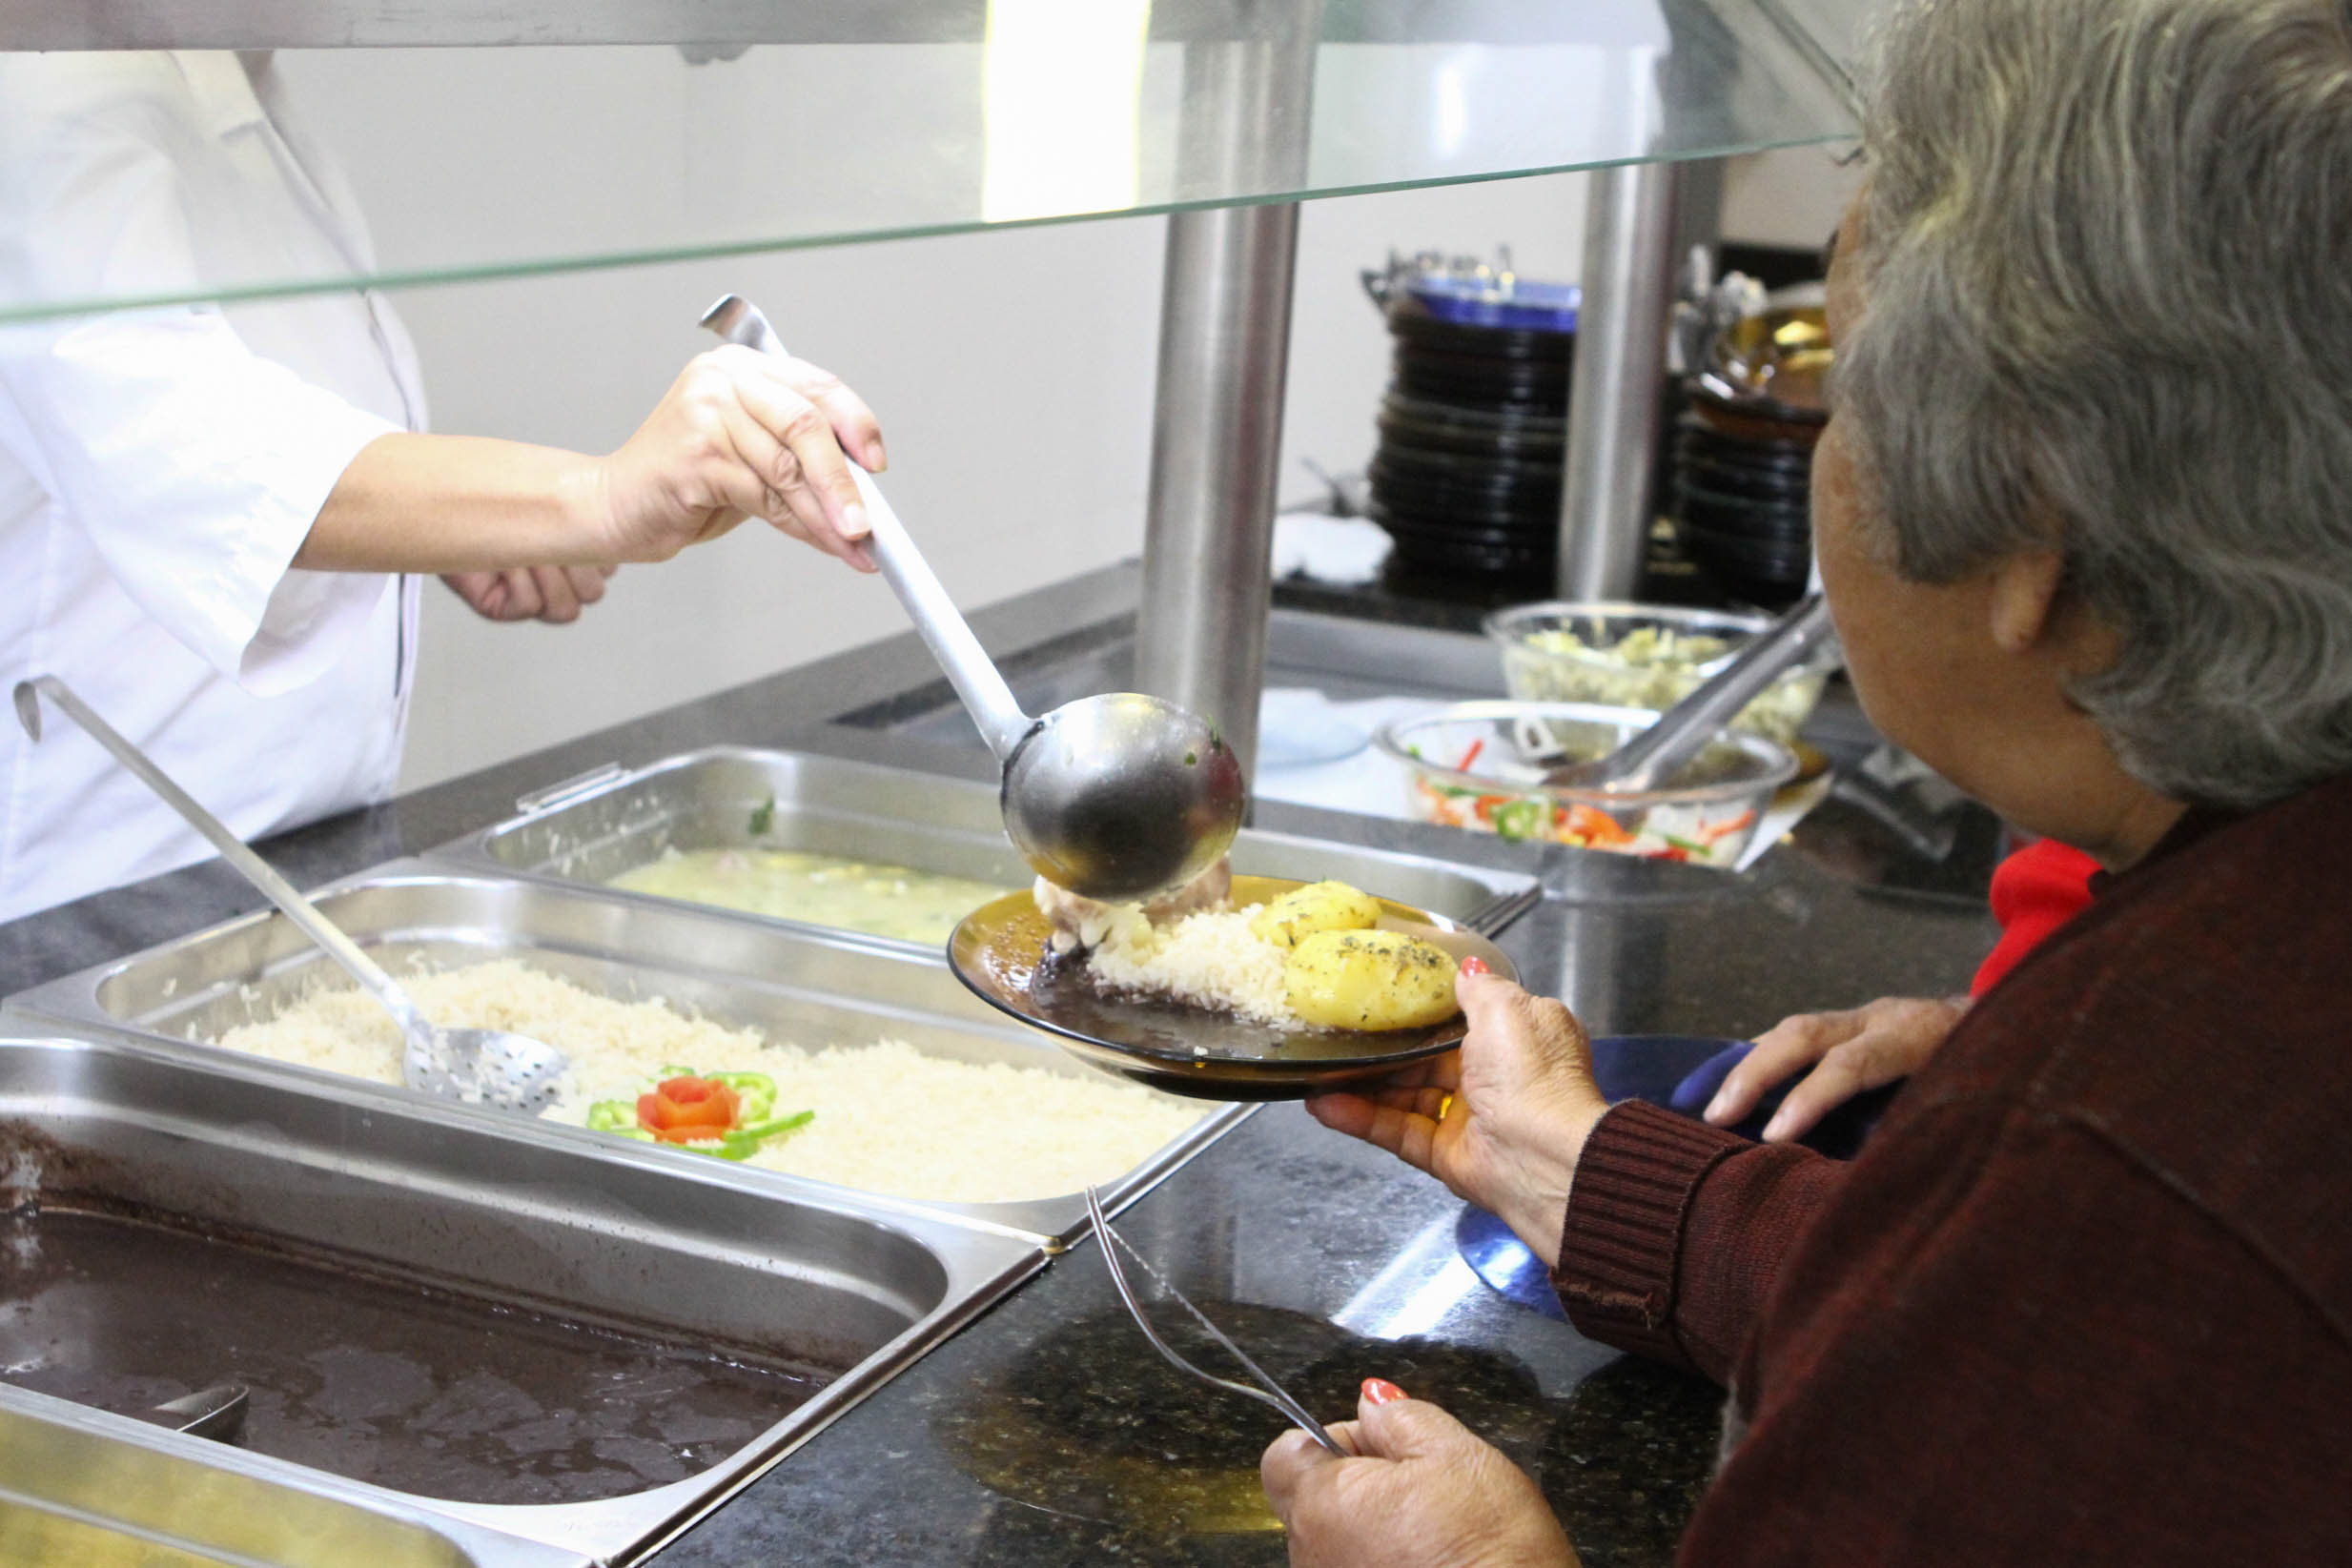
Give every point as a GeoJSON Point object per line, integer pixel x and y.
{"type": "Point", "coordinates": [1318, 907]}
{"type": "Point", "coordinates": [1369, 980]}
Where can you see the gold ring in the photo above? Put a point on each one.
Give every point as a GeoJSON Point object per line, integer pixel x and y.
{"type": "Point", "coordinates": [1443, 1106]}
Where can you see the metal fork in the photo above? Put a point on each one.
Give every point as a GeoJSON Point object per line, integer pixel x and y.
{"type": "Point", "coordinates": [1269, 1392]}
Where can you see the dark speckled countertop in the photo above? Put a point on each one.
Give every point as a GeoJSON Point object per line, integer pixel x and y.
{"type": "Point", "coordinates": [1047, 1432]}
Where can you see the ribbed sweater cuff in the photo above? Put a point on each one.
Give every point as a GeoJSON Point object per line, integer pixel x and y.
{"type": "Point", "coordinates": [1633, 1185]}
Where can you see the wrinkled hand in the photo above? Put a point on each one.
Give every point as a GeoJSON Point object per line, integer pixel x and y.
{"type": "Point", "coordinates": [553, 594]}
{"type": "Point", "coordinates": [1848, 1052]}
{"type": "Point", "coordinates": [1501, 1120]}
{"type": "Point", "coordinates": [1423, 1491]}
{"type": "Point", "coordinates": [741, 435]}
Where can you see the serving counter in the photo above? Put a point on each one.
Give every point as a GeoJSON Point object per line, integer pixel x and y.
{"type": "Point", "coordinates": [1046, 1432]}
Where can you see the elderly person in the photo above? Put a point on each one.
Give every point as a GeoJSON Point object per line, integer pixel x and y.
{"type": "Point", "coordinates": [2081, 512]}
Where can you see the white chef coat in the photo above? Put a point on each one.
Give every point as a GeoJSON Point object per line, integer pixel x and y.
{"type": "Point", "coordinates": [160, 468]}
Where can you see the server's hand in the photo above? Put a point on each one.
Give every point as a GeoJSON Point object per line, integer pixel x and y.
{"type": "Point", "coordinates": [741, 435]}
{"type": "Point", "coordinates": [553, 594]}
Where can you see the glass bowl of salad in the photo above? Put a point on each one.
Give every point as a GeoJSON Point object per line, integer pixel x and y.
{"type": "Point", "coordinates": [1646, 655]}
{"type": "Point", "coordinates": [1485, 766]}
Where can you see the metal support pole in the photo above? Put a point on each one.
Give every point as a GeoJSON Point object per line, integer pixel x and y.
{"type": "Point", "coordinates": [1224, 351]}
{"type": "Point", "coordinates": [1217, 439]}
{"type": "Point", "coordinates": [1629, 284]}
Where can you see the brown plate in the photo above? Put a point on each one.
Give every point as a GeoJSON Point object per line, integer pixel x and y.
{"type": "Point", "coordinates": [1001, 950]}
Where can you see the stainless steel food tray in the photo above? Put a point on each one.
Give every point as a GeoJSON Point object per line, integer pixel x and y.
{"type": "Point", "coordinates": [85, 1487]}
{"type": "Point", "coordinates": [590, 830]}
{"type": "Point", "coordinates": [792, 982]}
{"type": "Point", "coordinates": [487, 1205]}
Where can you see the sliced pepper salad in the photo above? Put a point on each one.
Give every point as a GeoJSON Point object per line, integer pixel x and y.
{"type": "Point", "coordinates": [726, 1114]}
{"type": "Point", "coordinates": [1667, 832]}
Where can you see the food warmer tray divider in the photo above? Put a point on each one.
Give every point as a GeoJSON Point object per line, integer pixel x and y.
{"type": "Point", "coordinates": [584, 830]}
{"type": "Point", "coordinates": [791, 983]}
{"type": "Point", "coordinates": [482, 1202]}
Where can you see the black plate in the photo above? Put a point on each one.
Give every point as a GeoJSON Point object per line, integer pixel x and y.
{"type": "Point", "coordinates": [1001, 950]}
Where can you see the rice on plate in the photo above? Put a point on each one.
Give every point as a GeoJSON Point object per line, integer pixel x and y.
{"type": "Point", "coordinates": [888, 1118]}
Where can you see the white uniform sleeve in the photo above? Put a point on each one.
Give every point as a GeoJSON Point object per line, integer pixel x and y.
{"type": "Point", "coordinates": [196, 466]}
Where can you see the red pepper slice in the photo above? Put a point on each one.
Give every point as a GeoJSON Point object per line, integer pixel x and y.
{"type": "Point", "coordinates": [688, 1110]}
{"type": "Point", "coordinates": [1470, 756]}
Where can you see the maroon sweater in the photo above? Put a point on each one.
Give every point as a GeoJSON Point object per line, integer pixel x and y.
{"type": "Point", "coordinates": [2086, 1298]}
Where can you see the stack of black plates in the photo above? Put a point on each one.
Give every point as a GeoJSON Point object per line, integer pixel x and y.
{"type": "Point", "coordinates": [1467, 479]}
{"type": "Point", "coordinates": [1744, 456]}
{"type": "Point", "coordinates": [1742, 483]}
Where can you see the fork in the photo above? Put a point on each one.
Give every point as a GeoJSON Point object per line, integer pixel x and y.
{"type": "Point", "coordinates": [1268, 1393]}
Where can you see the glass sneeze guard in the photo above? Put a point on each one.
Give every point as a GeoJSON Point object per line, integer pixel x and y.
{"type": "Point", "coordinates": [895, 119]}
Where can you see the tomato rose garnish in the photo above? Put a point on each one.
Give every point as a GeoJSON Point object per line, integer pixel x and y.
{"type": "Point", "coordinates": [688, 1110]}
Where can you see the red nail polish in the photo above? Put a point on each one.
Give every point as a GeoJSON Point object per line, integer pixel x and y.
{"type": "Point", "coordinates": [1475, 965]}
{"type": "Point", "coordinates": [1380, 1391]}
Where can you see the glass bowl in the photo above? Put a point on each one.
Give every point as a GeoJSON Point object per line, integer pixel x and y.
{"type": "Point", "coordinates": [1646, 655]}
{"type": "Point", "coordinates": [1481, 767]}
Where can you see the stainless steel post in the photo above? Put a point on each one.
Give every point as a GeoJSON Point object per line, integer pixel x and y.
{"type": "Point", "coordinates": [1216, 437]}
{"type": "Point", "coordinates": [1224, 349]}
{"type": "Point", "coordinates": [1629, 284]}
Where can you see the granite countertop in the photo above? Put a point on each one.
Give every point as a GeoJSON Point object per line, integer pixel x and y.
{"type": "Point", "coordinates": [1048, 1432]}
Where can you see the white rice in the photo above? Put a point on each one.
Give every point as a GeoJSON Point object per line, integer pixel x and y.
{"type": "Point", "coordinates": [889, 1118]}
{"type": "Point", "coordinates": [1207, 960]}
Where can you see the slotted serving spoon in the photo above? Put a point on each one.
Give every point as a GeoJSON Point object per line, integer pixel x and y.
{"type": "Point", "coordinates": [1115, 797]}
{"type": "Point", "coordinates": [484, 1066]}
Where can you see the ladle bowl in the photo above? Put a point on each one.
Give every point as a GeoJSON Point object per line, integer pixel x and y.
{"type": "Point", "coordinates": [1115, 797]}
{"type": "Point", "coordinates": [1119, 796]}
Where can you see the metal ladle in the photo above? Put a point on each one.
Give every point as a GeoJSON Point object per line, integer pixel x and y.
{"type": "Point", "coordinates": [1115, 797]}
{"type": "Point", "coordinates": [488, 1066]}
{"type": "Point", "coordinates": [1684, 730]}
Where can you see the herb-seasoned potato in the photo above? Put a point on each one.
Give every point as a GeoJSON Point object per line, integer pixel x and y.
{"type": "Point", "coordinates": [1318, 907]}
{"type": "Point", "coordinates": [1369, 980]}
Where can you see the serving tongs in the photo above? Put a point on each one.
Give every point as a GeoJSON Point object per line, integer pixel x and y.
{"type": "Point", "coordinates": [1267, 1393]}
{"type": "Point", "coordinates": [482, 1066]}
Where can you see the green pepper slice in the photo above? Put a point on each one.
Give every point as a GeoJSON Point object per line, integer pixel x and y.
{"type": "Point", "coordinates": [755, 1093]}
{"type": "Point", "coordinates": [780, 1126]}
{"type": "Point", "coordinates": [1520, 820]}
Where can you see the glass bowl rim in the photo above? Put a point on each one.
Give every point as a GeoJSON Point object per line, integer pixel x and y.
{"type": "Point", "coordinates": [1779, 764]}
{"type": "Point", "coordinates": [1508, 628]}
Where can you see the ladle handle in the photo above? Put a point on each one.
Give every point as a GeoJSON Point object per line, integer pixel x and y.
{"type": "Point", "coordinates": [936, 620]}
{"type": "Point", "coordinates": [250, 865]}
{"type": "Point", "coordinates": [1683, 730]}
{"type": "Point", "coordinates": [970, 670]}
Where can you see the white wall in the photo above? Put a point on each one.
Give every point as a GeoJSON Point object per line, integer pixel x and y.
{"type": "Point", "coordinates": [1793, 197]}
{"type": "Point", "coordinates": [1012, 370]}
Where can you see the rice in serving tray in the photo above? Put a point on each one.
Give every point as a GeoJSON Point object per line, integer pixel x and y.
{"type": "Point", "coordinates": [888, 1118]}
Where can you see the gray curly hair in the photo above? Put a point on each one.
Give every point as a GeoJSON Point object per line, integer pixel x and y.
{"type": "Point", "coordinates": [2106, 266]}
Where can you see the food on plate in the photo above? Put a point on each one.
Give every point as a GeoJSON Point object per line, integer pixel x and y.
{"type": "Point", "coordinates": [855, 895]}
{"type": "Point", "coordinates": [1369, 980]}
{"type": "Point", "coordinates": [878, 1115]}
{"type": "Point", "coordinates": [1318, 907]}
{"type": "Point", "coordinates": [1311, 958]}
{"type": "Point", "coordinates": [1081, 922]}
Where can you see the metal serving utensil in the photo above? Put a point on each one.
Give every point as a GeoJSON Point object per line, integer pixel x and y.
{"type": "Point", "coordinates": [488, 1066]}
{"type": "Point", "coordinates": [1115, 797]}
{"type": "Point", "coordinates": [1268, 1393]}
{"type": "Point", "coordinates": [217, 1413]}
{"type": "Point", "coordinates": [1683, 731]}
